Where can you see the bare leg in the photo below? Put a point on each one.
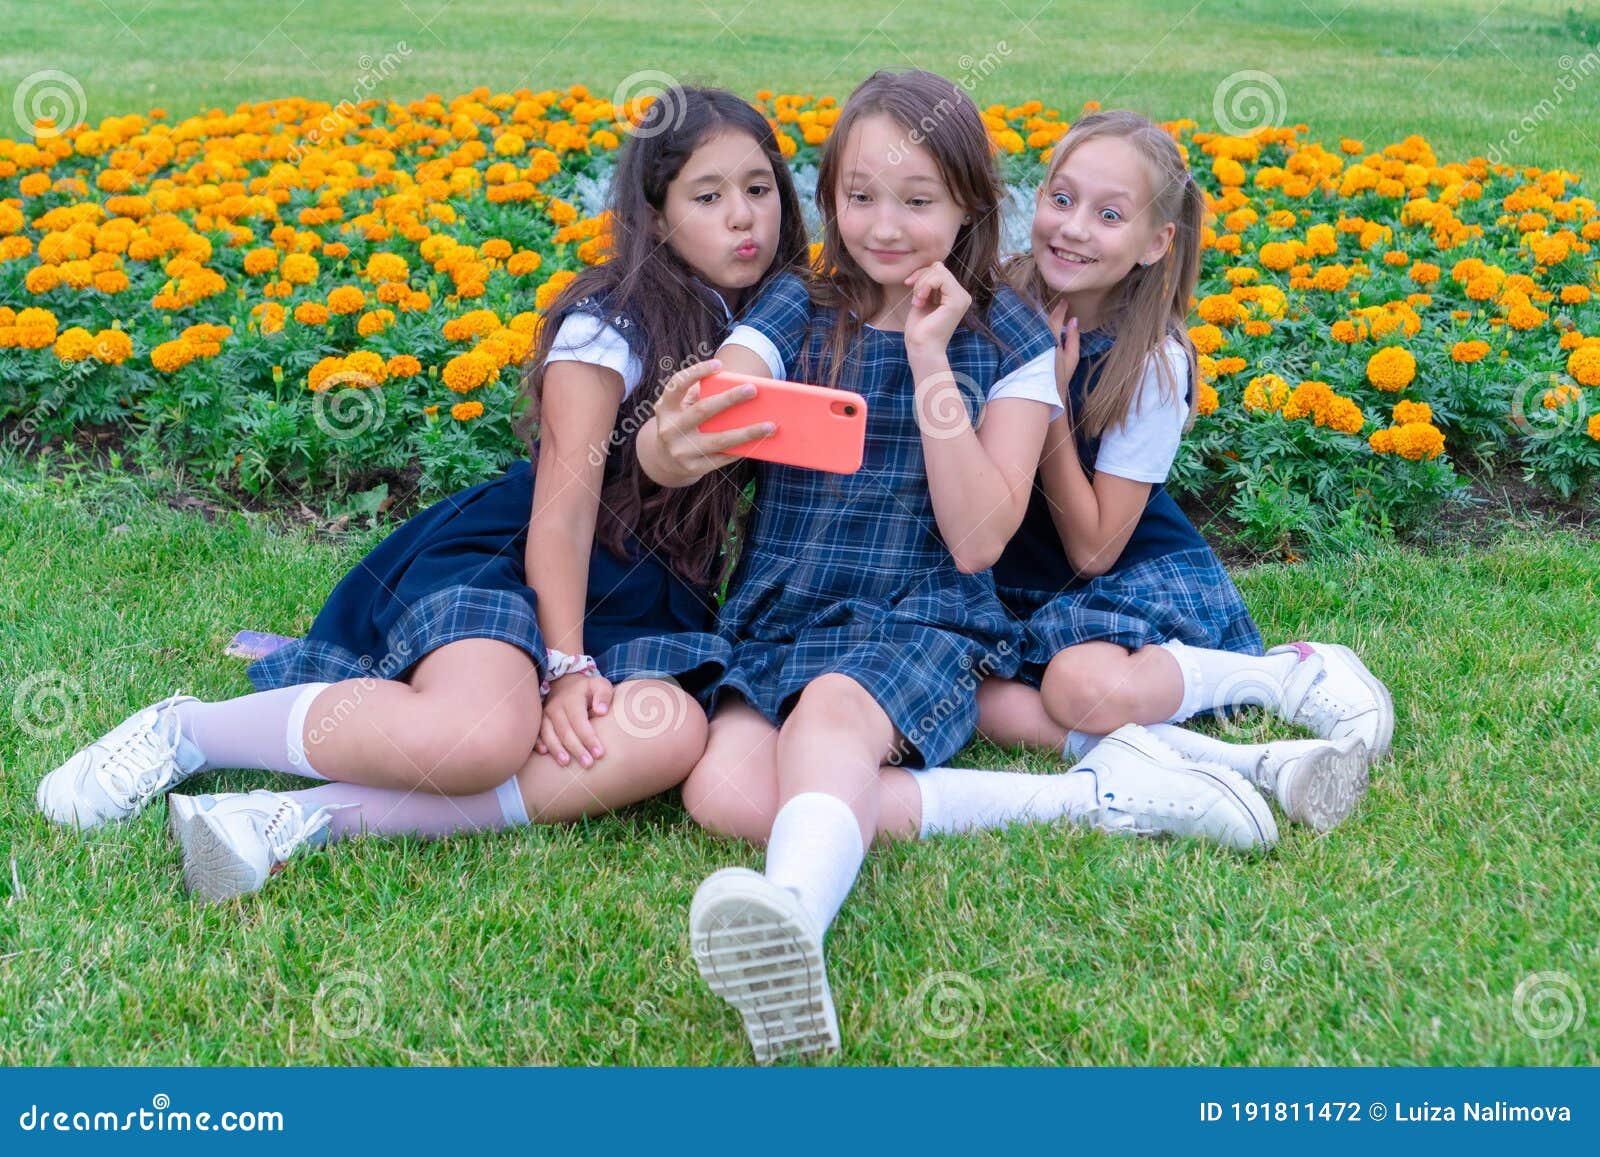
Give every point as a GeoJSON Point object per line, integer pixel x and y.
{"type": "Point", "coordinates": [1098, 687]}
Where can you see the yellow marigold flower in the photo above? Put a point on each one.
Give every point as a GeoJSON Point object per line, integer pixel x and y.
{"type": "Point", "coordinates": [323, 370]}
{"type": "Point", "coordinates": [1265, 393]}
{"type": "Point", "coordinates": [374, 322]}
{"type": "Point", "coordinates": [1228, 171]}
{"type": "Point", "coordinates": [1395, 257]}
{"type": "Point", "coordinates": [1391, 369]}
{"type": "Point", "coordinates": [1321, 240]}
{"type": "Point", "coordinates": [387, 267]}
{"type": "Point", "coordinates": [1220, 309]}
{"type": "Point", "coordinates": [74, 345]}
{"type": "Point", "coordinates": [171, 356]}
{"type": "Point", "coordinates": [1574, 294]}
{"type": "Point", "coordinates": [1408, 411]}
{"type": "Point", "coordinates": [466, 372]}
{"type": "Point", "coordinates": [1594, 427]}
{"type": "Point", "coordinates": [111, 281]}
{"type": "Point", "coordinates": [1381, 441]}
{"type": "Point", "coordinates": [299, 269]}
{"type": "Point", "coordinates": [496, 248]}
{"type": "Point", "coordinates": [552, 288]}
{"type": "Point", "coordinates": [509, 145]}
{"type": "Point", "coordinates": [466, 411]}
{"type": "Point", "coordinates": [1583, 364]}
{"type": "Point", "coordinates": [1306, 399]}
{"type": "Point", "coordinates": [112, 346]}
{"type": "Point", "coordinates": [41, 279]}
{"type": "Point", "coordinates": [473, 323]}
{"type": "Point", "coordinates": [1332, 278]}
{"type": "Point", "coordinates": [560, 212]}
{"type": "Point", "coordinates": [1207, 339]}
{"type": "Point", "coordinates": [430, 410]}
{"type": "Point", "coordinates": [403, 366]}
{"type": "Point", "coordinates": [263, 260]}
{"type": "Point", "coordinates": [1469, 351]}
{"type": "Point", "coordinates": [311, 313]}
{"type": "Point", "coordinates": [523, 262]}
{"type": "Point", "coordinates": [1524, 316]}
{"type": "Point", "coordinates": [336, 249]}
{"type": "Point", "coordinates": [367, 365]}
{"type": "Point", "coordinates": [1347, 331]}
{"type": "Point", "coordinates": [1418, 440]}
{"type": "Point", "coordinates": [346, 299]}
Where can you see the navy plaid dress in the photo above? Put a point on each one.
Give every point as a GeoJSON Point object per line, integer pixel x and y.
{"type": "Point", "coordinates": [849, 574]}
{"type": "Point", "coordinates": [1167, 584]}
{"type": "Point", "coordinates": [457, 571]}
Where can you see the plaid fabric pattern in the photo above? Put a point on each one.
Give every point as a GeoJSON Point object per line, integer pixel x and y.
{"type": "Point", "coordinates": [1185, 596]}
{"type": "Point", "coordinates": [849, 574]}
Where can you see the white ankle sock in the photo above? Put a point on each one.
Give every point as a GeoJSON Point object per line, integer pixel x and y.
{"type": "Point", "coordinates": [815, 848]}
{"type": "Point", "coordinates": [259, 731]}
{"type": "Point", "coordinates": [1079, 744]}
{"type": "Point", "coordinates": [1213, 679]}
{"type": "Point", "coordinates": [1242, 757]}
{"type": "Point", "coordinates": [962, 799]}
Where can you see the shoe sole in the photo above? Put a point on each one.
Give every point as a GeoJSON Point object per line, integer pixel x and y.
{"type": "Point", "coordinates": [211, 869]}
{"type": "Point", "coordinates": [1324, 787]}
{"type": "Point", "coordinates": [758, 957]}
{"type": "Point", "coordinates": [181, 813]}
{"type": "Point", "coordinates": [1379, 747]}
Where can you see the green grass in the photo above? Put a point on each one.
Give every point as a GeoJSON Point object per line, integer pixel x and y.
{"type": "Point", "coordinates": [1401, 937]}
{"type": "Point", "coordinates": [1462, 71]}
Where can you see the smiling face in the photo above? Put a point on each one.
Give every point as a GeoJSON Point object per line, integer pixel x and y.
{"type": "Point", "coordinates": [894, 212]}
{"type": "Point", "coordinates": [1093, 222]}
{"type": "Point", "coordinates": [721, 214]}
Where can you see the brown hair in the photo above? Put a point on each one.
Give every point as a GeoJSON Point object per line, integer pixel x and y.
{"type": "Point", "coordinates": [677, 321]}
{"type": "Point", "coordinates": [1152, 302]}
{"type": "Point", "coordinates": [938, 115]}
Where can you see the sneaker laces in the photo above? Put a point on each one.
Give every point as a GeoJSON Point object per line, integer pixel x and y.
{"type": "Point", "coordinates": [142, 762]}
{"type": "Point", "coordinates": [1320, 710]}
{"type": "Point", "coordinates": [290, 827]}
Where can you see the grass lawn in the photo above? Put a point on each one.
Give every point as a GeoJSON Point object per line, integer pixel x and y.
{"type": "Point", "coordinates": [1444, 924]}
{"type": "Point", "coordinates": [1401, 937]}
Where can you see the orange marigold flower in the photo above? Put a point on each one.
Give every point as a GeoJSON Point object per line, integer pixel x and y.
{"type": "Point", "coordinates": [387, 267]}
{"type": "Point", "coordinates": [1418, 440]}
{"type": "Point", "coordinates": [1207, 339]}
{"type": "Point", "coordinates": [1574, 294]}
{"type": "Point", "coordinates": [374, 322]}
{"type": "Point", "coordinates": [1278, 255]}
{"type": "Point", "coordinates": [403, 366]}
{"type": "Point", "coordinates": [346, 299]}
{"type": "Point", "coordinates": [1469, 351]}
{"type": "Point", "coordinates": [263, 260]}
{"type": "Point", "coordinates": [311, 313]}
{"type": "Point", "coordinates": [466, 411]}
{"type": "Point", "coordinates": [551, 289]}
{"type": "Point", "coordinates": [1560, 396]}
{"type": "Point", "coordinates": [1408, 411]}
{"type": "Point", "coordinates": [299, 269]}
{"type": "Point", "coordinates": [1391, 369]}
{"type": "Point", "coordinates": [496, 248]}
{"type": "Point", "coordinates": [74, 345]}
{"type": "Point", "coordinates": [1265, 393]}
{"type": "Point", "coordinates": [1594, 427]}
{"type": "Point", "coordinates": [1207, 403]}
{"type": "Point", "coordinates": [523, 262]}
{"type": "Point", "coordinates": [112, 346]}
{"type": "Point", "coordinates": [1220, 309]}
{"type": "Point", "coordinates": [171, 356]}
{"type": "Point", "coordinates": [1583, 364]}
{"type": "Point", "coordinates": [466, 372]}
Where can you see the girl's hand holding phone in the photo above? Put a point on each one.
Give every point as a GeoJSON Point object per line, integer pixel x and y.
{"type": "Point", "coordinates": [938, 303]}
{"type": "Point", "coordinates": [680, 412]}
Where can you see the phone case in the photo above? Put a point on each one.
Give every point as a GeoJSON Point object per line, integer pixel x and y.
{"type": "Point", "coordinates": [818, 428]}
{"type": "Point", "coordinates": [255, 644]}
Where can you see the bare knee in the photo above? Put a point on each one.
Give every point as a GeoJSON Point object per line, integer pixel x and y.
{"type": "Point", "coordinates": [466, 750]}
{"type": "Point", "coordinates": [1086, 696]}
{"type": "Point", "coordinates": [838, 699]}
{"type": "Point", "coordinates": [724, 797]}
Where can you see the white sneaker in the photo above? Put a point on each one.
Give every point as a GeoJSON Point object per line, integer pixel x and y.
{"type": "Point", "coordinates": [1318, 782]}
{"type": "Point", "coordinates": [1337, 697]}
{"type": "Point", "coordinates": [758, 949]}
{"type": "Point", "coordinates": [242, 840]}
{"type": "Point", "coordinates": [1144, 787]}
{"type": "Point", "coordinates": [116, 775]}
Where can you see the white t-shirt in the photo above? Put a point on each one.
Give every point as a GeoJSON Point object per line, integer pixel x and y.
{"type": "Point", "coordinates": [585, 338]}
{"type": "Point", "coordinates": [1034, 380]}
{"type": "Point", "coordinates": [1143, 446]}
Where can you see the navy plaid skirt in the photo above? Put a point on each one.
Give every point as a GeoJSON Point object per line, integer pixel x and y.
{"type": "Point", "coordinates": [1185, 596]}
{"type": "Point", "coordinates": [457, 571]}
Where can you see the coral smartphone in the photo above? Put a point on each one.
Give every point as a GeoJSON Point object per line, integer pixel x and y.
{"type": "Point", "coordinates": [818, 428]}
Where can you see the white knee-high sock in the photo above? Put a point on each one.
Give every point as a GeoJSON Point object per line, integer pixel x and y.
{"type": "Point", "coordinates": [1213, 679]}
{"type": "Point", "coordinates": [962, 799]}
{"type": "Point", "coordinates": [264, 730]}
{"type": "Point", "coordinates": [388, 811]}
{"type": "Point", "coordinates": [815, 848]}
{"type": "Point", "coordinates": [1242, 757]}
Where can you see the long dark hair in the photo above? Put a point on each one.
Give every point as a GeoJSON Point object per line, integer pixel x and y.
{"type": "Point", "coordinates": [938, 114]}
{"type": "Point", "coordinates": [678, 322]}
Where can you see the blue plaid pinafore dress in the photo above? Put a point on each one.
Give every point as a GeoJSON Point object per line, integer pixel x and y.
{"type": "Point", "coordinates": [849, 574]}
{"type": "Point", "coordinates": [457, 570]}
{"type": "Point", "coordinates": [1167, 585]}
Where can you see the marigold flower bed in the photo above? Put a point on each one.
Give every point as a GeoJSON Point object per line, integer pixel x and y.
{"type": "Point", "coordinates": [294, 296]}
